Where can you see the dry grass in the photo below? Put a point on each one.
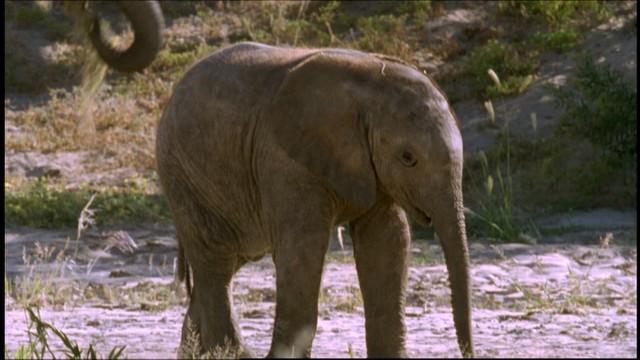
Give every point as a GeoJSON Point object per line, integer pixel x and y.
{"type": "Point", "coordinates": [46, 281]}
{"type": "Point", "coordinates": [122, 129]}
{"type": "Point", "coordinates": [192, 349]}
{"type": "Point", "coordinates": [349, 300]}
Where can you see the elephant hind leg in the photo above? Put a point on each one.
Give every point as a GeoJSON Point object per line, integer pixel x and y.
{"type": "Point", "coordinates": [210, 324]}
{"type": "Point", "coordinates": [211, 313]}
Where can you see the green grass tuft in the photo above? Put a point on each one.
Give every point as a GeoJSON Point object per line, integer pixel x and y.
{"type": "Point", "coordinates": [39, 348]}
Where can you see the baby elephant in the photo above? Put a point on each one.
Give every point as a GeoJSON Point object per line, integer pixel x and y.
{"type": "Point", "coordinates": [266, 149]}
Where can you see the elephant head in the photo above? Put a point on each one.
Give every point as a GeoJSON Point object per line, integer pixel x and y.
{"type": "Point", "coordinates": [147, 23]}
{"type": "Point", "coordinates": [374, 129]}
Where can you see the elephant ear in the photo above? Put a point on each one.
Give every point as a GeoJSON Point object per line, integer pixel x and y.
{"type": "Point", "coordinates": [316, 120]}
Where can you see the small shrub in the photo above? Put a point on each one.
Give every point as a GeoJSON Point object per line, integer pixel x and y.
{"type": "Point", "coordinates": [376, 32]}
{"type": "Point", "coordinates": [512, 85]}
{"type": "Point", "coordinates": [559, 40]}
{"type": "Point", "coordinates": [290, 23]}
{"type": "Point", "coordinates": [34, 15]}
{"type": "Point", "coordinates": [555, 12]}
{"type": "Point", "coordinates": [600, 107]}
{"type": "Point", "coordinates": [417, 10]}
{"type": "Point", "coordinates": [38, 205]}
{"type": "Point", "coordinates": [511, 64]}
{"type": "Point", "coordinates": [175, 9]}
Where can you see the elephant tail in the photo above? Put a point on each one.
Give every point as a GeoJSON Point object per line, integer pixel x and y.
{"type": "Point", "coordinates": [183, 270]}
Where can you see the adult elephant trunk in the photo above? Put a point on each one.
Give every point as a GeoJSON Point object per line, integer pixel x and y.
{"type": "Point", "coordinates": [147, 22]}
{"type": "Point", "coordinates": [450, 226]}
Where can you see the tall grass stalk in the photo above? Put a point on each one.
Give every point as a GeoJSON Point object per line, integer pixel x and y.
{"type": "Point", "coordinates": [496, 215]}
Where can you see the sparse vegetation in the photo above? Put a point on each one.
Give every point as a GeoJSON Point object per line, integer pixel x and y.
{"type": "Point", "coordinates": [56, 292]}
{"type": "Point", "coordinates": [256, 295]}
{"type": "Point", "coordinates": [424, 255]}
{"type": "Point", "coordinates": [39, 347]}
{"type": "Point", "coordinates": [52, 287]}
{"type": "Point", "coordinates": [493, 212]}
{"type": "Point", "coordinates": [347, 301]}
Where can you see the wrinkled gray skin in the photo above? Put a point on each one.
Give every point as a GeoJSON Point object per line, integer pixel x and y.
{"type": "Point", "coordinates": [146, 22]}
{"type": "Point", "coordinates": [265, 149]}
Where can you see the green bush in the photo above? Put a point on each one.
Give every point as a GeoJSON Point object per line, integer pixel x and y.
{"type": "Point", "coordinates": [511, 64]}
{"type": "Point", "coordinates": [591, 159]}
{"type": "Point", "coordinates": [512, 85]}
{"type": "Point", "coordinates": [349, 13]}
{"type": "Point", "coordinates": [418, 10]}
{"type": "Point", "coordinates": [600, 107]}
{"type": "Point", "coordinates": [560, 40]}
{"type": "Point", "coordinates": [555, 12]}
{"type": "Point", "coordinates": [43, 206]}
{"type": "Point", "coordinates": [376, 32]}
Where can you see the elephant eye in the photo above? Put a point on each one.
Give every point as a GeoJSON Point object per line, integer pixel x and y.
{"type": "Point", "coordinates": [408, 159]}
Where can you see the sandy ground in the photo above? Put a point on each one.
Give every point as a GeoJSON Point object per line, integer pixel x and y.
{"type": "Point", "coordinates": [545, 300]}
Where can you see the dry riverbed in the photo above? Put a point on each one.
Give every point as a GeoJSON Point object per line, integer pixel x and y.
{"type": "Point", "coordinates": [575, 298]}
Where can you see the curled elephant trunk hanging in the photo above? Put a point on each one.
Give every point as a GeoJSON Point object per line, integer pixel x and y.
{"type": "Point", "coordinates": [147, 24]}
{"type": "Point", "coordinates": [264, 149]}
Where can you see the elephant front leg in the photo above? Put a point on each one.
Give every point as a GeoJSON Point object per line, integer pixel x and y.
{"type": "Point", "coordinates": [381, 241]}
{"type": "Point", "coordinates": [299, 259]}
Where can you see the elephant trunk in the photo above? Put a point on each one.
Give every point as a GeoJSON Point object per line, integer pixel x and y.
{"type": "Point", "coordinates": [450, 227]}
{"type": "Point", "coordinates": [147, 22]}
